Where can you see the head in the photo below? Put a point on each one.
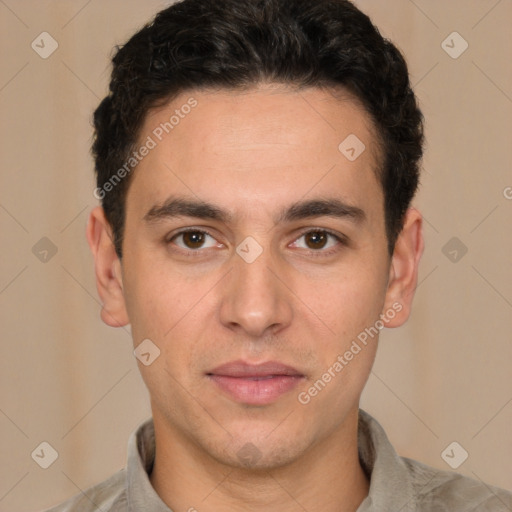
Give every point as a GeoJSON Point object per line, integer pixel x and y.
{"type": "Point", "coordinates": [285, 137]}
{"type": "Point", "coordinates": [234, 45]}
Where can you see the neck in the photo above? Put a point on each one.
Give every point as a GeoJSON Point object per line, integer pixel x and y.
{"type": "Point", "coordinates": [327, 477]}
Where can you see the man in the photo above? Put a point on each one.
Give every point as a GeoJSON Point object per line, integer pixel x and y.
{"type": "Point", "coordinates": [256, 161]}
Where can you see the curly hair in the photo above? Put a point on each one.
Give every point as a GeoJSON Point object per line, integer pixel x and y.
{"type": "Point", "coordinates": [233, 44]}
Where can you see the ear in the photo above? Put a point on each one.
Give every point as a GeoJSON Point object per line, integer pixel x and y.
{"type": "Point", "coordinates": [403, 271]}
{"type": "Point", "coordinates": [107, 268]}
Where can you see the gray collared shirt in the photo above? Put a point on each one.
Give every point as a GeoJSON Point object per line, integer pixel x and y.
{"type": "Point", "coordinates": [397, 484]}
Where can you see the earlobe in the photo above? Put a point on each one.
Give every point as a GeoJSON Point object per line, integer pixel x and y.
{"type": "Point", "coordinates": [107, 268]}
{"type": "Point", "coordinates": [403, 272]}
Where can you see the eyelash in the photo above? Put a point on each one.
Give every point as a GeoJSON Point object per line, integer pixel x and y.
{"type": "Point", "coordinates": [315, 253]}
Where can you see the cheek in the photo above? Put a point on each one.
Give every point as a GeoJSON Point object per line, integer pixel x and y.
{"type": "Point", "coordinates": [171, 311]}
{"type": "Point", "coordinates": [346, 301]}
{"type": "Point", "coordinates": [155, 297]}
{"type": "Point", "coordinates": [349, 306]}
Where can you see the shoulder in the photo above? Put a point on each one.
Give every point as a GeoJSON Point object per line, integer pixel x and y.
{"type": "Point", "coordinates": [440, 490]}
{"type": "Point", "coordinates": [107, 496]}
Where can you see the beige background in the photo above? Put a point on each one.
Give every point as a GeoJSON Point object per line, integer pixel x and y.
{"type": "Point", "coordinates": [69, 380]}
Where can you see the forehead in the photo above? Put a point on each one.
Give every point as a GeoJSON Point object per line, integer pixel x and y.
{"type": "Point", "coordinates": [258, 145]}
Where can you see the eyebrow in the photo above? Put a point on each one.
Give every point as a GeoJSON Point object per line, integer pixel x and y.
{"type": "Point", "coordinates": [183, 207]}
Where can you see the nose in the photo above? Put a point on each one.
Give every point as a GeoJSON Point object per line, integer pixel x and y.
{"type": "Point", "coordinates": [255, 300]}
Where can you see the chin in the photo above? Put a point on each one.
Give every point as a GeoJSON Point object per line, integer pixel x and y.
{"type": "Point", "coordinates": [260, 455]}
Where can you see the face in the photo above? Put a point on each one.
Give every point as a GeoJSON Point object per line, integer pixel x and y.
{"type": "Point", "coordinates": [254, 258]}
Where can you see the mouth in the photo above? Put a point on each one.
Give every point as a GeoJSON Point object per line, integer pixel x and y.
{"type": "Point", "coordinates": [251, 384]}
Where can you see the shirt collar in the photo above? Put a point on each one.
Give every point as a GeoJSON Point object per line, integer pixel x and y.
{"type": "Point", "coordinates": [390, 480]}
{"type": "Point", "coordinates": [141, 456]}
{"type": "Point", "coordinates": [391, 487]}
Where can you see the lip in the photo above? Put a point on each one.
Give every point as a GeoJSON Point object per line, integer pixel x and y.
{"type": "Point", "coordinates": [255, 384]}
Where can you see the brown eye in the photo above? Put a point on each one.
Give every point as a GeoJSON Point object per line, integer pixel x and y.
{"type": "Point", "coordinates": [316, 239]}
{"type": "Point", "coordinates": [319, 241]}
{"type": "Point", "coordinates": [193, 240]}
